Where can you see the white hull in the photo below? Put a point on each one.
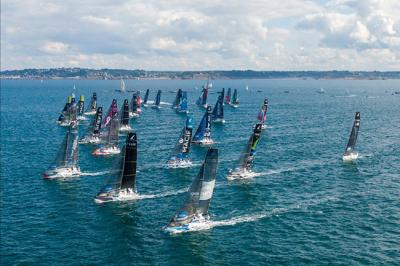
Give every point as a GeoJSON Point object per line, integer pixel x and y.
{"type": "Point", "coordinates": [90, 113]}
{"type": "Point", "coordinates": [179, 164]}
{"type": "Point", "coordinates": [125, 128]}
{"type": "Point", "coordinates": [117, 195]}
{"type": "Point", "coordinates": [133, 115]}
{"type": "Point", "coordinates": [89, 140]}
{"type": "Point", "coordinates": [235, 105]}
{"type": "Point", "coordinates": [204, 142]}
{"type": "Point", "coordinates": [62, 172]}
{"type": "Point", "coordinates": [104, 151]}
{"type": "Point", "coordinates": [198, 223]}
{"type": "Point", "coordinates": [219, 120]}
{"type": "Point", "coordinates": [81, 118]}
{"type": "Point", "coordinates": [239, 174]}
{"type": "Point", "coordinates": [350, 157]}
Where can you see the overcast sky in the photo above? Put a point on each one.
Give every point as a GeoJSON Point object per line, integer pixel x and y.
{"type": "Point", "coordinates": [201, 35]}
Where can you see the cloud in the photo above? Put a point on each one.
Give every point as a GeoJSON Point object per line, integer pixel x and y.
{"type": "Point", "coordinates": [206, 34]}
{"type": "Point", "coordinates": [54, 48]}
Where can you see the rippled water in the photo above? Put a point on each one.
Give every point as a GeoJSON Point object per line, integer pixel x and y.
{"type": "Point", "coordinates": [304, 205]}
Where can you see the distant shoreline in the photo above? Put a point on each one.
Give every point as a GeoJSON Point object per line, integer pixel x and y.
{"type": "Point", "coordinates": [138, 74]}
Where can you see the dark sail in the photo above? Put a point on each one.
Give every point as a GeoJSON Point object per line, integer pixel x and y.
{"type": "Point", "coordinates": [125, 113]}
{"type": "Point", "coordinates": [178, 98]}
{"type": "Point", "coordinates": [262, 115]}
{"type": "Point", "coordinates": [218, 111]}
{"type": "Point", "coordinates": [204, 129]}
{"type": "Point", "coordinates": [134, 103]}
{"type": "Point", "coordinates": [158, 98]}
{"type": "Point", "coordinates": [200, 192]}
{"type": "Point", "coordinates": [112, 111]}
{"type": "Point", "coordinates": [182, 148]}
{"type": "Point", "coordinates": [354, 133]}
{"type": "Point", "coordinates": [112, 136]}
{"type": "Point", "coordinates": [247, 156]}
{"type": "Point", "coordinates": [146, 96]}
{"type": "Point", "coordinates": [228, 96]}
{"type": "Point", "coordinates": [202, 101]}
{"type": "Point", "coordinates": [67, 154]}
{"type": "Point", "coordinates": [81, 105]}
{"type": "Point", "coordinates": [97, 121]}
{"type": "Point", "coordinates": [235, 99]}
{"type": "Point", "coordinates": [93, 103]}
{"type": "Point", "coordinates": [129, 158]}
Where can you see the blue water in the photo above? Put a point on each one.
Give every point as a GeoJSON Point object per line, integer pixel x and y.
{"type": "Point", "coordinates": [305, 206]}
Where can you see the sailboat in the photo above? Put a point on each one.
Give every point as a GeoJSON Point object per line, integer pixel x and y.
{"type": "Point", "coordinates": [350, 154]}
{"type": "Point", "coordinates": [146, 97]}
{"type": "Point", "coordinates": [93, 134]}
{"type": "Point", "coordinates": [111, 146]}
{"type": "Point", "coordinates": [122, 86]}
{"type": "Point", "coordinates": [202, 100]}
{"type": "Point", "coordinates": [122, 184]}
{"type": "Point", "coordinates": [139, 101]}
{"type": "Point", "coordinates": [157, 102]}
{"type": "Point", "coordinates": [247, 156]}
{"type": "Point", "coordinates": [183, 104]}
{"type": "Point", "coordinates": [228, 97]}
{"type": "Point", "coordinates": [321, 91]}
{"type": "Point", "coordinates": [124, 117]}
{"type": "Point", "coordinates": [262, 114]}
{"type": "Point", "coordinates": [135, 108]}
{"type": "Point", "coordinates": [178, 99]}
{"type": "Point", "coordinates": [112, 111]}
{"type": "Point", "coordinates": [91, 110]}
{"type": "Point", "coordinates": [194, 212]}
{"type": "Point", "coordinates": [70, 114]}
{"type": "Point", "coordinates": [203, 132]}
{"type": "Point", "coordinates": [235, 100]}
{"type": "Point", "coordinates": [180, 157]}
{"type": "Point", "coordinates": [66, 162]}
{"type": "Point", "coordinates": [218, 111]}
{"type": "Point", "coordinates": [80, 108]}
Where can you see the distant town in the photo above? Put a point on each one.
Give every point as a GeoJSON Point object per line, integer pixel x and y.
{"type": "Point", "coordinates": [104, 74]}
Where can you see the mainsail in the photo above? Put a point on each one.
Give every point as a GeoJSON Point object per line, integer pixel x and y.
{"type": "Point", "coordinates": [134, 104]}
{"type": "Point", "coordinates": [124, 114]}
{"type": "Point", "coordinates": [354, 133]}
{"type": "Point", "coordinates": [96, 124]}
{"type": "Point", "coordinates": [178, 99]}
{"type": "Point", "coordinates": [204, 129]}
{"type": "Point", "coordinates": [235, 99]}
{"type": "Point", "coordinates": [158, 98]}
{"type": "Point", "coordinates": [146, 96]}
{"type": "Point", "coordinates": [93, 104]}
{"type": "Point", "coordinates": [202, 101]}
{"type": "Point", "coordinates": [218, 111]}
{"type": "Point", "coordinates": [228, 96]}
{"type": "Point", "coordinates": [247, 156]}
{"type": "Point", "coordinates": [112, 111]}
{"type": "Point", "coordinates": [183, 104]}
{"type": "Point", "coordinates": [262, 115]}
{"type": "Point", "coordinates": [81, 105]}
{"type": "Point", "coordinates": [182, 147]}
{"type": "Point", "coordinates": [122, 85]}
{"type": "Point", "coordinates": [200, 192]}
{"type": "Point", "coordinates": [67, 155]}
{"type": "Point", "coordinates": [112, 136]}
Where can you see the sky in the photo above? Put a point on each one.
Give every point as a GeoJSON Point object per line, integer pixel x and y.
{"type": "Point", "coordinates": [201, 35]}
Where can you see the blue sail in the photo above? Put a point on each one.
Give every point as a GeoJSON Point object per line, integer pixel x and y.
{"type": "Point", "coordinates": [183, 105]}
{"type": "Point", "coordinates": [204, 129]}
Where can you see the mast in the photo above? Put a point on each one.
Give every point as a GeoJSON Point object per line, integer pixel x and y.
{"type": "Point", "coordinates": [228, 96]}
{"type": "Point", "coordinates": [204, 129]}
{"type": "Point", "coordinates": [247, 156]}
{"type": "Point", "coordinates": [125, 113]}
{"type": "Point", "coordinates": [200, 192]}
{"type": "Point", "coordinates": [146, 96]}
{"type": "Point", "coordinates": [112, 111]}
{"type": "Point", "coordinates": [354, 133]}
{"type": "Point", "coordinates": [128, 177]}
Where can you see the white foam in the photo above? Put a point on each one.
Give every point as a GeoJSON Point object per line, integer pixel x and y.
{"type": "Point", "coordinates": [95, 173]}
{"type": "Point", "coordinates": [160, 195]}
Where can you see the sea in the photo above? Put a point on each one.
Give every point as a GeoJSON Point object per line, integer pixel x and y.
{"type": "Point", "coordinates": [303, 205]}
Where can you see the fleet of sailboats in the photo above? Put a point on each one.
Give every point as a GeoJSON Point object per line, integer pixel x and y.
{"type": "Point", "coordinates": [121, 184]}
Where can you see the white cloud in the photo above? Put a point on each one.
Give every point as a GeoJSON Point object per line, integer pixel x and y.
{"type": "Point", "coordinates": [54, 48]}
{"type": "Point", "coordinates": [206, 34]}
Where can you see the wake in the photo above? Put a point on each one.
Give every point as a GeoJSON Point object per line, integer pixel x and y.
{"type": "Point", "coordinates": [161, 195]}
{"type": "Point", "coordinates": [95, 173]}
